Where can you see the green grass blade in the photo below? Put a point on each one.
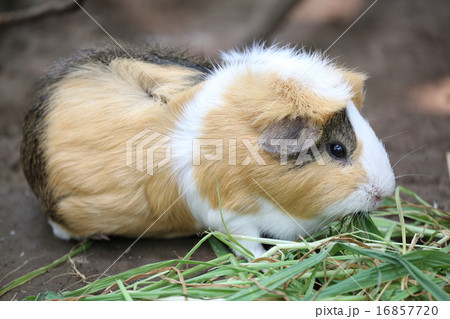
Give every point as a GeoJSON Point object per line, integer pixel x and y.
{"type": "Point", "coordinates": [218, 248]}
{"type": "Point", "coordinates": [103, 283]}
{"type": "Point", "coordinates": [276, 280]}
{"type": "Point", "coordinates": [123, 290]}
{"type": "Point", "coordinates": [401, 217]}
{"type": "Point", "coordinates": [396, 267]}
{"type": "Point", "coordinates": [364, 222]}
{"type": "Point", "coordinates": [20, 281]}
{"type": "Point", "coordinates": [241, 249]}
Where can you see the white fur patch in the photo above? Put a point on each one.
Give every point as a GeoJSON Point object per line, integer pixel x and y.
{"type": "Point", "coordinates": [381, 178]}
{"type": "Point", "coordinates": [59, 232]}
{"type": "Point", "coordinates": [181, 144]}
{"type": "Point", "coordinates": [309, 69]}
{"type": "Point", "coordinates": [276, 222]}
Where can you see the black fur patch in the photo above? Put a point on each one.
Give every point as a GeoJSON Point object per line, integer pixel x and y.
{"type": "Point", "coordinates": [149, 54]}
{"type": "Point", "coordinates": [32, 153]}
{"type": "Point", "coordinates": [337, 129]}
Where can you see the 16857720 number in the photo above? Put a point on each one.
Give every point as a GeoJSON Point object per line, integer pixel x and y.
{"type": "Point", "coordinates": [407, 310]}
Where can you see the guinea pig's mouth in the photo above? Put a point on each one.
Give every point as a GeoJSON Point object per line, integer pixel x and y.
{"type": "Point", "coordinates": [374, 198]}
{"type": "Point", "coordinates": [377, 201]}
{"type": "Point", "coordinates": [372, 204]}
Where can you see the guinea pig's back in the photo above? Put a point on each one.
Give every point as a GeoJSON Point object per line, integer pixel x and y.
{"type": "Point", "coordinates": [76, 132]}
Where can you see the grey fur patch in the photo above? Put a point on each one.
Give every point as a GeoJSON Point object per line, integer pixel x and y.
{"type": "Point", "coordinates": [337, 129]}
{"type": "Point", "coordinates": [289, 136]}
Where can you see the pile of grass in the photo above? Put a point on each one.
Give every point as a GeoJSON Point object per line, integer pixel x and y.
{"type": "Point", "coordinates": [399, 252]}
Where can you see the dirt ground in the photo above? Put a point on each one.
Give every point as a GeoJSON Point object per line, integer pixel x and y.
{"type": "Point", "coordinates": [403, 45]}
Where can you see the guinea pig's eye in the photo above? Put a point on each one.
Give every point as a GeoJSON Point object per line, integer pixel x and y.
{"type": "Point", "coordinates": [337, 150]}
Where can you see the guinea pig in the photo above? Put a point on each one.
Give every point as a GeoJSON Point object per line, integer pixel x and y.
{"type": "Point", "coordinates": [269, 141]}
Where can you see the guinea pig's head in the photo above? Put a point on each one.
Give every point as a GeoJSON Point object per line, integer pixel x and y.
{"type": "Point", "coordinates": [317, 155]}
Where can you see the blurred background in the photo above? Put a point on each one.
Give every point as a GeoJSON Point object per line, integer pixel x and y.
{"type": "Point", "coordinates": [404, 46]}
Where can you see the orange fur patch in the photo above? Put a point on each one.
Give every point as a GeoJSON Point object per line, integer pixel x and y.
{"type": "Point", "coordinates": [265, 98]}
{"type": "Point", "coordinates": [357, 83]}
{"type": "Point", "coordinates": [94, 112]}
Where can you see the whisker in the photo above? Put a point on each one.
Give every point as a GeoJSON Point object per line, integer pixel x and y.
{"type": "Point", "coordinates": [448, 163]}
{"type": "Point", "coordinates": [411, 175]}
{"type": "Point", "coordinates": [396, 134]}
{"type": "Point", "coordinates": [413, 151]}
{"type": "Point", "coordinates": [374, 118]}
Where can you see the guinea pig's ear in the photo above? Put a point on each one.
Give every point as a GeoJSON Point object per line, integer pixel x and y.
{"type": "Point", "coordinates": [356, 81]}
{"type": "Point", "coordinates": [289, 135]}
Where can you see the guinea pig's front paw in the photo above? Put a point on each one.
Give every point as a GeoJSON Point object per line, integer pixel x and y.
{"type": "Point", "coordinates": [100, 237]}
{"type": "Point", "coordinates": [255, 248]}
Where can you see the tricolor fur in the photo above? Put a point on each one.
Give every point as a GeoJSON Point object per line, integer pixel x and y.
{"type": "Point", "coordinates": [75, 137]}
